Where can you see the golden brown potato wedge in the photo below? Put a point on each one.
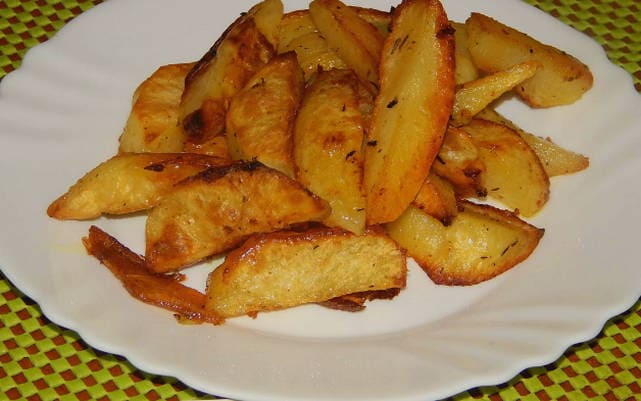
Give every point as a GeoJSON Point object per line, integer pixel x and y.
{"type": "Point", "coordinates": [280, 270]}
{"type": "Point", "coordinates": [357, 42]}
{"type": "Point", "coordinates": [267, 15]}
{"type": "Point", "coordinates": [480, 243]}
{"type": "Point", "coordinates": [494, 46]}
{"type": "Point", "coordinates": [474, 96]}
{"type": "Point", "coordinates": [219, 75]}
{"type": "Point", "coordinates": [437, 198]}
{"type": "Point", "coordinates": [458, 162]}
{"type": "Point", "coordinates": [152, 125]}
{"type": "Point", "coordinates": [161, 290]}
{"type": "Point", "coordinates": [260, 120]}
{"type": "Point", "coordinates": [217, 209]}
{"type": "Point", "coordinates": [412, 108]}
{"type": "Point", "coordinates": [127, 183]}
{"type": "Point", "coordinates": [465, 68]}
{"type": "Point", "coordinates": [555, 159]}
{"type": "Point", "coordinates": [513, 173]}
{"type": "Point", "coordinates": [293, 25]}
{"type": "Point", "coordinates": [215, 147]}
{"type": "Point", "coordinates": [328, 138]}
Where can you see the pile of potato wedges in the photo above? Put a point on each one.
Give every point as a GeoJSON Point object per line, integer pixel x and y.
{"type": "Point", "coordinates": [317, 149]}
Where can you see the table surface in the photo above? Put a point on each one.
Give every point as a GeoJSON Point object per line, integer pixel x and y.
{"type": "Point", "coordinates": [42, 361]}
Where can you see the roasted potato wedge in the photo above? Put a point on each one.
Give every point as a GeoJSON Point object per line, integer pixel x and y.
{"type": "Point", "coordinates": [328, 138]}
{"type": "Point", "coordinates": [562, 79]}
{"type": "Point", "coordinates": [480, 243]}
{"type": "Point", "coordinates": [556, 160]}
{"type": "Point", "coordinates": [260, 120]}
{"type": "Point", "coordinates": [458, 162]}
{"type": "Point", "coordinates": [217, 209]}
{"type": "Point", "coordinates": [465, 68]}
{"type": "Point", "coordinates": [280, 270]}
{"type": "Point", "coordinates": [513, 173]}
{"type": "Point", "coordinates": [437, 198]}
{"type": "Point", "coordinates": [152, 125]}
{"type": "Point", "coordinates": [377, 18]}
{"type": "Point", "coordinates": [299, 34]}
{"type": "Point", "coordinates": [412, 108]}
{"type": "Point", "coordinates": [218, 76]}
{"type": "Point", "coordinates": [160, 290]}
{"type": "Point", "coordinates": [127, 183]}
{"type": "Point", "coordinates": [357, 42]}
{"type": "Point", "coordinates": [474, 96]}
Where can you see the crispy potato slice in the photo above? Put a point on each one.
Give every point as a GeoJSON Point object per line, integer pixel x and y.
{"type": "Point", "coordinates": [153, 119]}
{"type": "Point", "coordinates": [215, 147]}
{"type": "Point", "coordinates": [160, 290]}
{"type": "Point", "coordinates": [412, 108]}
{"type": "Point", "coordinates": [328, 138]}
{"type": "Point", "coordinates": [562, 79]}
{"type": "Point", "coordinates": [280, 270]}
{"type": "Point", "coordinates": [556, 160]}
{"type": "Point", "coordinates": [513, 173]}
{"type": "Point", "coordinates": [293, 25]}
{"type": "Point", "coordinates": [480, 243]}
{"type": "Point", "coordinates": [458, 162]}
{"type": "Point", "coordinates": [260, 120]}
{"type": "Point", "coordinates": [357, 42]}
{"type": "Point", "coordinates": [220, 74]}
{"type": "Point", "coordinates": [437, 198]}
{"type": "Point", "coordinates": [474, 96]}
{"type": "Point", "coordinates": [465, 68]}
{"type": "Point", "coordinates": [217, 209]}
{"type": "Point", "coordinates": [127, 183]}
{"type": "Point", "coordinates": [267, 15]}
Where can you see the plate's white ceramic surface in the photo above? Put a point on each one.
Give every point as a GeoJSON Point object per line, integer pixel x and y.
{"type": "Point", "coordinates": [62, 111]}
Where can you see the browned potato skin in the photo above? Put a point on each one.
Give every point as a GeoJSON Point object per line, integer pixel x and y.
{"type": "Point", "coordinates": [152, 122]}
{"type": "Point", "coordinates": [260, 120]}
{"type": "Point", "coordinates": [408, 125]}
{"type": "Point", "coordinates": [437, 198]}
{"type": "Point", "coordinates": [328, 138]}
{"type": "Point", "coordinates": [357, 42]}
{"type": "Point", "coordinates": [480, 243]}
{"type": "Point", "coordinates": [217, 209]}
{"type": "Point", "coordinates": [555, 159]}
{"type": "Point", "coordinates": [280, 270]}
{"type": "Point", "coordinates": [219, 75]}
{"type": "Point", "coordinates": [494, 46]}
{"type": "Point", "coordinates": [127, 183]}
{"type": "Point", "coordinates": [513, 173]}
{"type": "Point", "coordinates": [160, 290]}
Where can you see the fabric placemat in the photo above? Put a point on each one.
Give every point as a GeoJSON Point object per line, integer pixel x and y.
{"type": "Point", "coordinates": [42, 361]}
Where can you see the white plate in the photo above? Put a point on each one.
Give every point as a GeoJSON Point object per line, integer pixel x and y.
{"type": "Point", "coordinates": [61, 113]}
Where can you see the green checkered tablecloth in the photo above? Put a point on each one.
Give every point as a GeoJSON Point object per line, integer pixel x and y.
{"type": "Point", "coordinates": [42, 361]}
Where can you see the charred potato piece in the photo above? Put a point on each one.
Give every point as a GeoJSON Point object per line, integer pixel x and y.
{"type": "Point", "coordinates": [127, 183]}
{"type": "Point", "coordinates": [219, 75]}
{"type": "Point", "coordinates": [327, 147]}
{"type": "Point", "coordinates": [494, 46]}
{"type": "Point", "coordinates": [480, 243]}
{"type": "Point", "coordinates": [555, 159]}
{"type": "Point", "coordinates": [280, 270]}
{"type": "Point", "coordinates": [474, 96]}
{"type": "Point", "coordinates": [161, 290]}
{"type": "Point", "coordinates": [217, 209]}
{"type": "Point", "coordinates": [437, 198]}
{"type": "Point", "coordinates": [513, 173]}
{"type": "Point", "coordinates": [153, 119]}
{"type": "Point", "coordinates": [260, 120]}
{"type": "Point", "coordinates": [357, 42]}
{"type": "Point", "coordinates": [412, 108]}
